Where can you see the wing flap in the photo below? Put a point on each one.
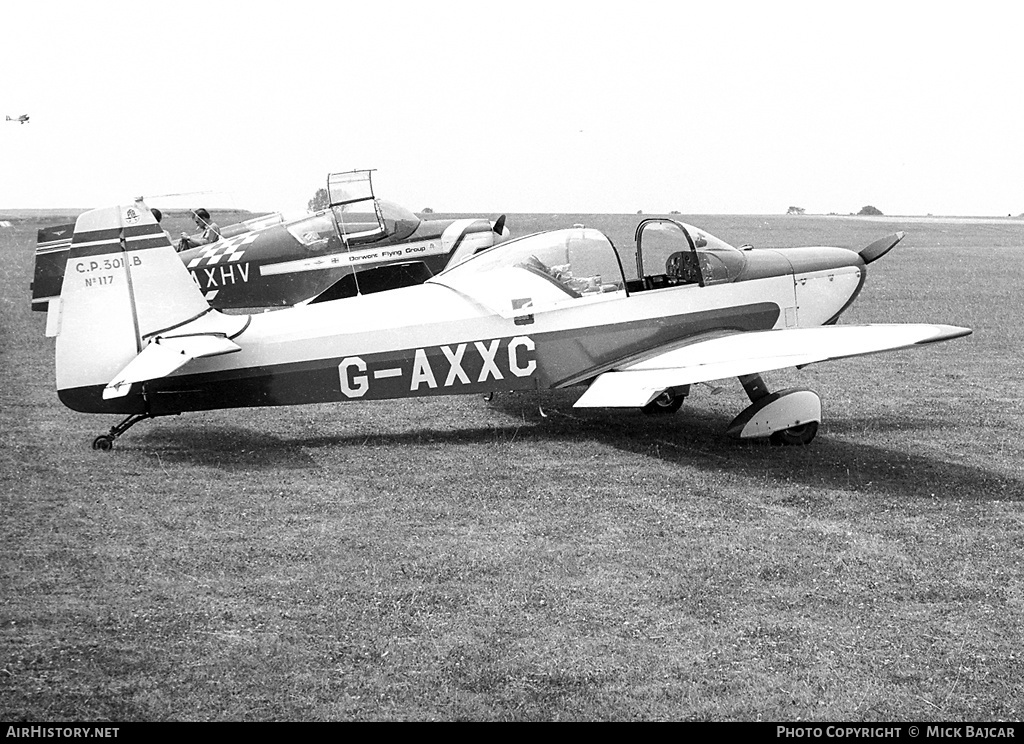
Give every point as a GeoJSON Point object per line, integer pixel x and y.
{"type": "Point", "coordinates": [750, 353]}
{"type": "Point", "coordinates": [166, 355]}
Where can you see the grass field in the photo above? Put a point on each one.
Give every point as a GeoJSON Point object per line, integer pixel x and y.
{"type": "Point", "coordinates": [453, 559]}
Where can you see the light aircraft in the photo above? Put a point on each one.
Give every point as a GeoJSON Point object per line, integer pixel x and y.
{"type": "Point", "coordinates": [23, 119]}
{"type": "Point", "coordinates": [135, 336]}
{"type": "Point", "coordinates": [359, 244]}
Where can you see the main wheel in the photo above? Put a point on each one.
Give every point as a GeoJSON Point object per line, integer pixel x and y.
{"type": "Point", "coordinates": [796, 435]}
{"type": "Point", "coordinates": [664, 404]}
{"type": "Point", "coordinates": [103, 442]}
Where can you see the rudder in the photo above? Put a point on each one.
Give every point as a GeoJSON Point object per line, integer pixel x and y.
{"type": "Point", "coordinates": [52, 245]}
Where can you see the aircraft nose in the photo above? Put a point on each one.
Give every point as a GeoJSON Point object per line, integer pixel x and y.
{"type": "Point", "coordinates": [805, 260]}
{"type": "Point", "coordinates": [826, 281]}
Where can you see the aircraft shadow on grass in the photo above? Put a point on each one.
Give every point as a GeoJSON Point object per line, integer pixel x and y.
{"type": "Point", "coordinates": [691, 438]}
{"type": "Point", "coordinates": [694, 438]}
{"type": "Point", "coordinates": [226, 447]}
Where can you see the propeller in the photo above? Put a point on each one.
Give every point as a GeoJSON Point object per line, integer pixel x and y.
{"type": "Point", "coordinates": [880, 247]}
{"type": "Point", "coordinates": [499, 225]}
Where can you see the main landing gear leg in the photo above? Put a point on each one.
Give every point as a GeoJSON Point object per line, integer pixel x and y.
{"type": "Point", "coordinates": [755, 387]}
{"type": "Point", "coordinates": [786, 417]}
{"type": "Point", "coordinates": [105, 442]}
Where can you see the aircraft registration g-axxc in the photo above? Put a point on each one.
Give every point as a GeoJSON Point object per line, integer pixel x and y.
{"type": "Point", "coordinates": [550, 310]}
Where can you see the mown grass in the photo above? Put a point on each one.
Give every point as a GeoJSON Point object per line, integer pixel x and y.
{"type": "Point", "coordinates": [454, 559]}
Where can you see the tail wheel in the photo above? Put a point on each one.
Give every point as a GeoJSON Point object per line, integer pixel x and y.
{"type": "Point", "coordinates": [665, 403]}
{"type": "Point", "coordinates": [796, 435]}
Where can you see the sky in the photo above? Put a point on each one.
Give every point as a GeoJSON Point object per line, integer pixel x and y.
{"type": "Point", "coordinates": [561, 106]}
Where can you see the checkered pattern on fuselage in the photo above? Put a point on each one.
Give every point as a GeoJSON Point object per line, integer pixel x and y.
{"type": "Point", "coordinates": [223, 251]}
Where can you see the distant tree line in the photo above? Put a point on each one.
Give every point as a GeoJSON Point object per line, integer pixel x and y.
{"type": "Point", "coordinates": [867, 211]}
{"type": "Point", "coordinates": [320, 200]}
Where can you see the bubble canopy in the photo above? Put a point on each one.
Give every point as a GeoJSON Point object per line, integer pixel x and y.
{"type": "Point", "coordinates": [579, 262]}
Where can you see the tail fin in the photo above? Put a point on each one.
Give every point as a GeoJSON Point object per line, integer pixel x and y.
{"type": "Point", "coordinates": [123, 284]}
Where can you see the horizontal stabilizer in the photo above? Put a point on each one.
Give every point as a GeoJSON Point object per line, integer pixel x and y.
{"type": "Point", "coordinates": [750, 353]}
{"type": "Point", "coordinates": [166, 355]}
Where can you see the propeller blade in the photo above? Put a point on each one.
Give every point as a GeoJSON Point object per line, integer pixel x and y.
{"type": "Point", "coordinates": [499, 225]}
{"type": "Point", "coordinates": [880, 247]}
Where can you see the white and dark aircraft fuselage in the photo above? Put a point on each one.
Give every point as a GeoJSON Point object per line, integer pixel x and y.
{"type": "Point", "coordinates": [551, 310]}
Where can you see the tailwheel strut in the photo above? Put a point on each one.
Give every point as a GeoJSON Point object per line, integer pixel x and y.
{"type": "Point", "coordinates": [105, 442]}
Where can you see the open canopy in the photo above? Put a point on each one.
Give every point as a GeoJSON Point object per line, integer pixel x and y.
{"type": "Point", "coordinates": [576, 263]}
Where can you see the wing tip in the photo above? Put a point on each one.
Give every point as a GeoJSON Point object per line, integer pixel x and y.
{"type": "Point", "coordinates": [948, 333]}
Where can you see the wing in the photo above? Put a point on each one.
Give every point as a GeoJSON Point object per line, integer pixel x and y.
{"type": "Point", "coordinates": [737, 354]}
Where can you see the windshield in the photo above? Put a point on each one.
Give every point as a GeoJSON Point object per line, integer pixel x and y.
{"type": "Point", "coordinates": [685, 254]}
{"type": "Point", "coordinates": [719, 261]}
{"type": "Point", "coordinates": [399, 222]}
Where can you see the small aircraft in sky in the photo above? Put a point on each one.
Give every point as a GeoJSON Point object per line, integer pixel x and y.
{"type": "Point", "coordinates": [23, 119]}
{"type": "Point", "coordinates": [358, 244]}
{"type": "Point", "coordinates": [557, 309]}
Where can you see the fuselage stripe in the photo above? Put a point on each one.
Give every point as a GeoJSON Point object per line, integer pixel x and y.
{"type": "Point", "coordinates": [546, 359]}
